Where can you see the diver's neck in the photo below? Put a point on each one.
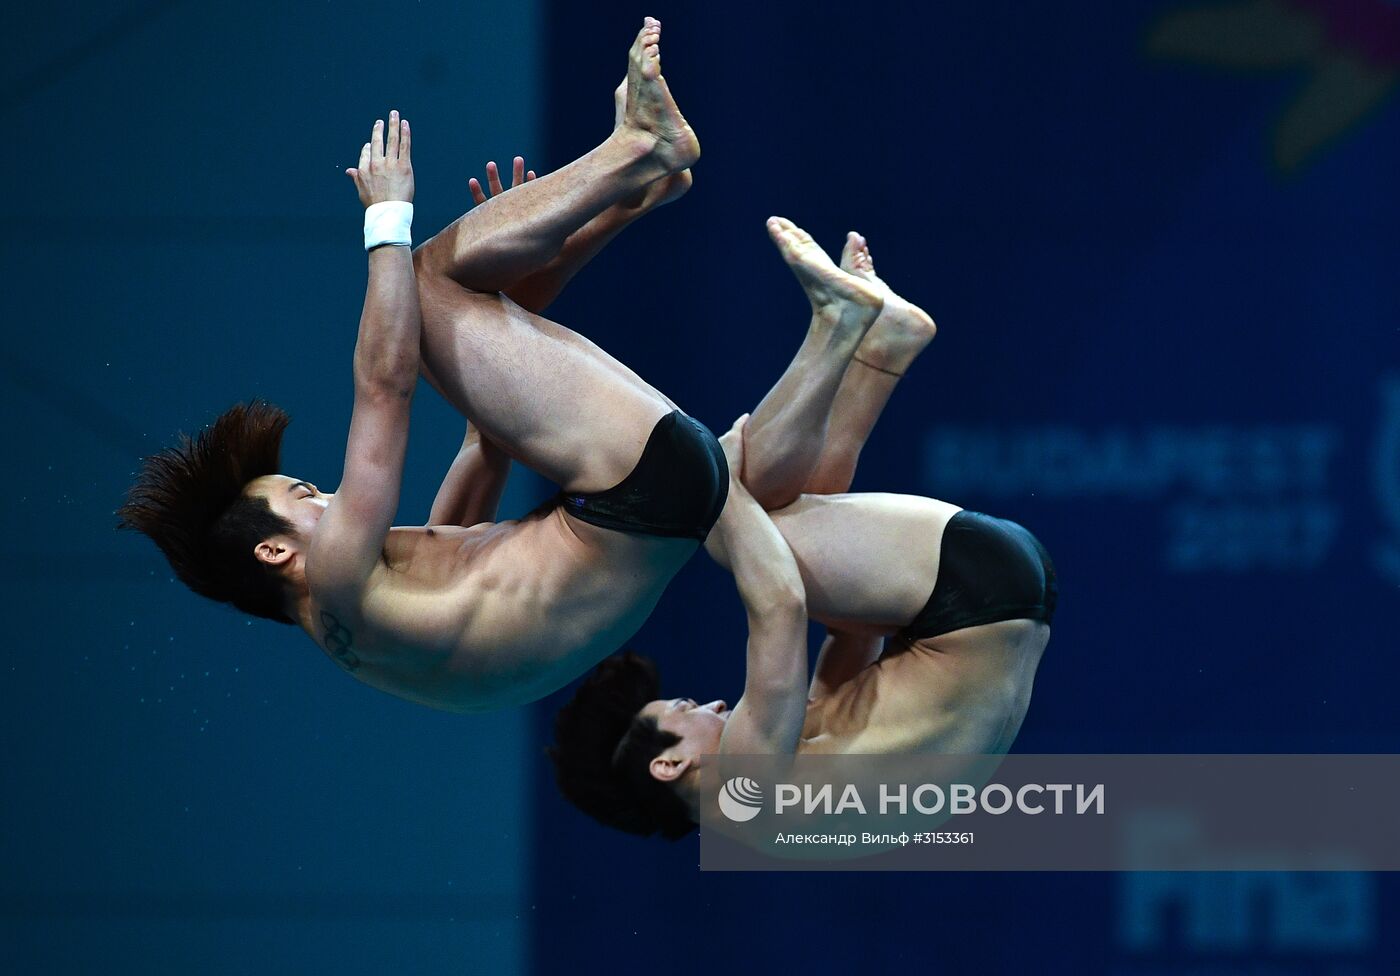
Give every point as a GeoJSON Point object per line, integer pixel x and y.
{"type": "Point", "coordinates": [298, 605]}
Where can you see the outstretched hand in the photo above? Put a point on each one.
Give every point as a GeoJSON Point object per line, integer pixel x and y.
{"type": "Point", "coordinates": [518, 175]}
{"type": "Point", "coordinates": [385, 171]}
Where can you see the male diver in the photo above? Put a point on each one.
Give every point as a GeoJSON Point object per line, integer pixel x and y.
{"type": "Point", "coordinates": [454, 617]}
{"type": "Point", "coordinates": [936, 621]}
{"type": "Point", "coordinates": [477, 615]}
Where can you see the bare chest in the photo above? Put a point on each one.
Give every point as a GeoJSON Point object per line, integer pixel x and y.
{"type": "Point", "coordinates": [432, 555]}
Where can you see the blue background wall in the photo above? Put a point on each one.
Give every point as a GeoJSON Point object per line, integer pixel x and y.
{"type": "Point", "coordinates": [1160, 248]}
{"type": "Point", "coordinates": [1165, 346]}
{"type": "Point", "coordinates": [186, 791]}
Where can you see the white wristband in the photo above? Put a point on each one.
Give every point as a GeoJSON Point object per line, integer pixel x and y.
{"type": "Point", "coordinates": [388, 223]}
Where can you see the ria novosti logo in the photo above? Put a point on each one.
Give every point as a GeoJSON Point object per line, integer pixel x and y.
{"type": "Point", "coordinates": [740, 799]}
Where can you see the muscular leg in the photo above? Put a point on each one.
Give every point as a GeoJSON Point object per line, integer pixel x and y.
{"type": "Point", "coordinates": [537, 290]}
{"type": "Point", "coordinates": [514, 235]}
{"type": "Point", "coordinates": [784, 436]}
{"type": "Point", "coordinates": [548, 397]}
{"type": "Point", "coordinates": [558, 405]}
{"type": "Point", "coordinates": [879, 557]}
{"type": "Point", "coordinates": [885, 354]}
{"type": "Point", "coordinates": [893, 343]}
{"type": "Point", "coordinates": [806, 435]}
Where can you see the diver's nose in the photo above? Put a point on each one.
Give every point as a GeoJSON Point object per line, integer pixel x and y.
{"type": "Point", "coordinates": [718, 706]}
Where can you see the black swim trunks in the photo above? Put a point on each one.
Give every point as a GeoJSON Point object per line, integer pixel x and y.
{"type": "Point", "coordinates": [677, 489]}
{"type": "Point", "coordinates": [989, 570]}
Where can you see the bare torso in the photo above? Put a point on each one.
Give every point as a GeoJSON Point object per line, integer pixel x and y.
{"type": "Point", "coordinates": [499, 614]}
{"type": "Point", "coordinates": [962, 693]}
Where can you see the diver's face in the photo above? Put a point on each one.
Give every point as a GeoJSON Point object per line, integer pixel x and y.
{"type": "Point", "coordinates": [298, 502]}
{"type": "Point", "coordinates": [699, 726]}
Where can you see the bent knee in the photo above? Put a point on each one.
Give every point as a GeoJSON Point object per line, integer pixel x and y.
{"type": "Point", "coordinates": [435, 263]}
{"type": "Point", "coordinates": [439, 293]}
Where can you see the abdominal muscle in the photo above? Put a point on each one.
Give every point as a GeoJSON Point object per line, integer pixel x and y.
{"type": "Point", "coordinates": [964, 693]}
{"type": "Point", "coordinates": [494, 615]}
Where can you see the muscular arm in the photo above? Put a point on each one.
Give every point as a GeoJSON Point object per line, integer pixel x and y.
{"type": "Point", "coordinates": [349, 540]}
{"type": "Point", "coordinates": [471, 491]}
{"type": "Point", "coordinates": [769, 716]}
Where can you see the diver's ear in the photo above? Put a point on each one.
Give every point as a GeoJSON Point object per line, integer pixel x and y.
{"type": "Point", "coordinates": [272, 552]}
{"type": "Point", "coordinates": [668, 770]}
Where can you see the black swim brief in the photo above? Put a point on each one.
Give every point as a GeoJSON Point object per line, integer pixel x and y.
{"type": "Point", "coordinates": [989, 570]}
{"type": "Point", "coordinates": [677, 489]}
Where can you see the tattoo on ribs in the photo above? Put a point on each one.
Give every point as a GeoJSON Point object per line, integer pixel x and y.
{"type": "Point", "coordinates": [338, 640]}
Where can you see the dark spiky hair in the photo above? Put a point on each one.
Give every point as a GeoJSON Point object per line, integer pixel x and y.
{"type": "Point", "coordinates": [189, 500]}
{"type": "Point", "coordinates": [603, 749]}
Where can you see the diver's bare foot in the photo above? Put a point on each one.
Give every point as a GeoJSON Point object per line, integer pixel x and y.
{"type": "Point", "coordinates": [845, 302]}
{"type": "Point", "coordinates": [902, 330]}
{"type": "Point", "coordinates": [649, 108]}
{"type": "Point", "coordinates": [666, 190]}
